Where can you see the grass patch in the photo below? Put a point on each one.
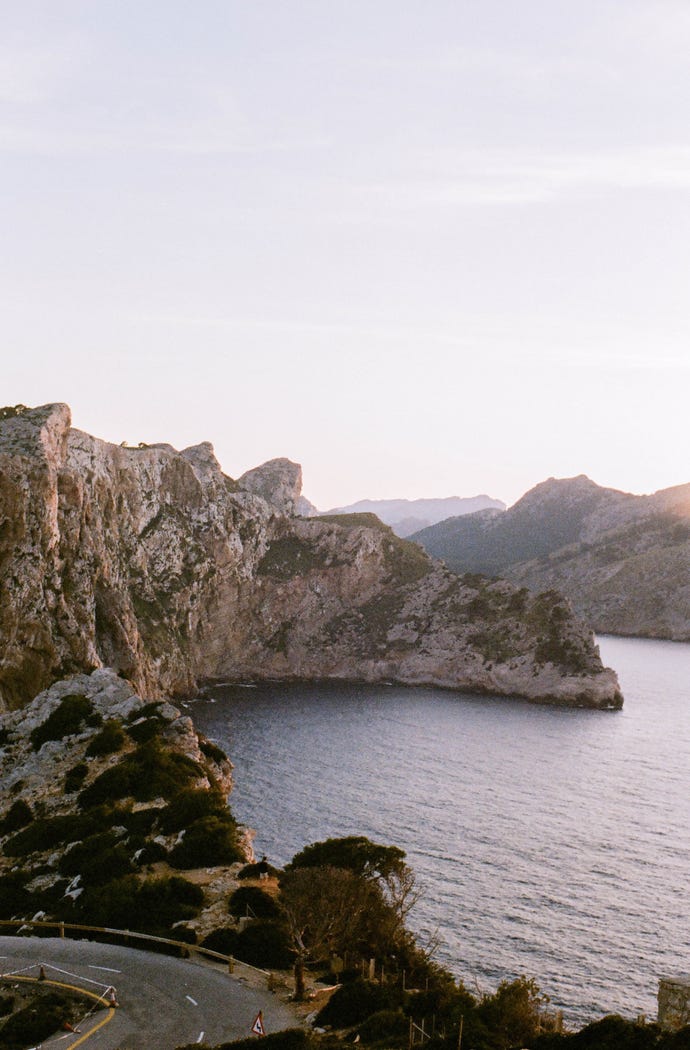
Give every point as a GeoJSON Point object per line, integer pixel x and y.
{"type": "Point", "coordinates": [290, 556]}
{"type": "Point", "coordinates": [110, 739]}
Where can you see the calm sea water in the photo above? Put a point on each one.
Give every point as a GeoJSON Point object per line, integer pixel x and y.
{"type": "Point", "coordinates": [552, 843]}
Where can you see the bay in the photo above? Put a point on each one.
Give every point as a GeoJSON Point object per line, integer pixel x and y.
{"type": "Point", "coordinates": [548, 842]}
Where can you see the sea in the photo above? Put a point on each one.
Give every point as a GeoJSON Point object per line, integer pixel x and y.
{"type": "Point", "coordinates": [547, 842]}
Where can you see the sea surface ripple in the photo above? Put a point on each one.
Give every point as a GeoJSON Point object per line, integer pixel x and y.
{"type": "Point", "coordinates": [548, 842]}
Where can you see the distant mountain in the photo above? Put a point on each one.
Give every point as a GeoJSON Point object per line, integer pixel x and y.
{"type": "Point", "coordinates": [623, 560]}
{"type": "Point", "coordinates": [406, 516]}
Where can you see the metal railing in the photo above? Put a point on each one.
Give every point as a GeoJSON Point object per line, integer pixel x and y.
{"type": "Point", "coordinates": [229, 960]}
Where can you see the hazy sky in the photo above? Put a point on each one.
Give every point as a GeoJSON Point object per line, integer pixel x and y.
{"type": "Point", "coordinates": [424, 248]}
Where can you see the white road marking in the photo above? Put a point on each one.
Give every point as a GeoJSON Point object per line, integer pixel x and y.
{"type": "Point", "coordinates": [193, 1001]}
{"type": "Point", "coordinates": [201, 1037]}
{"type": "Point", "coordinates": [106, 969]}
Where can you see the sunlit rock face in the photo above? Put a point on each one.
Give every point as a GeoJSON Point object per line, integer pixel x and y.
{"type": "Point", "coordinates": [153, 562]}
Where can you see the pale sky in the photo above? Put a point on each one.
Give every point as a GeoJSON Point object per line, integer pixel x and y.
{"type": "Point", "coordinates": [424, 248]}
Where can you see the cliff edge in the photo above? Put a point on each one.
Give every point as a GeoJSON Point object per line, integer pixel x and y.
{"type": "Point", "coordinates": [153, 562]}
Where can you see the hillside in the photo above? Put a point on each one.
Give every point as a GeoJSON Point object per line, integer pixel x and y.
{"type": "Point", "coordinates": [622, 560]}
{"type": "Point", "coordinates": [96, 786]}
{"type": "Point", "coordinates": [155, 563]}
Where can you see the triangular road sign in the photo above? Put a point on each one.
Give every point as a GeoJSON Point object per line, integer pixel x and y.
{"type": "Point", "coordinates": [258, 1026]}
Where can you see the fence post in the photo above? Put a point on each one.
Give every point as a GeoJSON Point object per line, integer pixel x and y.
{"type": "Point", "coordinates": [62, 929]}
{"type": "Point", "coordinates": [231, 964]}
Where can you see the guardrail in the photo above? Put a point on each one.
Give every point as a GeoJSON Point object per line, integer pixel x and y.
{"type": "Point", "coordinates": [229, 960]}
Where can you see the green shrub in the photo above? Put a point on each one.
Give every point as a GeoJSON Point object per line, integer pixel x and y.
{"type": "Point", "coordinates": [70, 716]}
{"type": "Point", "coordinates": [146, 730]}
{"type": "Point", "coordinates": [98, 859]}
{"type": "Point", "coordinates": [288, 1039]}
{"type": "Point", "coordinates": [209, 841]}
{"type": "Point", "coordinates": [32, 1024]}
{"type": "Point", "coordinates": [14, 897]}
{"type": "Point", "coordinates": [253, 871]}
{"type": "Point", "coordinates": [223, 940]}
{"type": "Point", "coordinates": [18, 816]}
{"type": "Point", "coordinates": [46, 833]}
{"type": "Point", "coordinates": [254, 902]}
{"type": "Point", "coordinates": [147, 711]}
{"type": "Point", "coordinates": [389, 1025]}
{"type": "Point", "coordinates": [353, 1003]}
{"type": "Point", "coordinates": [151, 771]}
{"type": "Point", "coordinates": [110, 739]}
{"type": "Point", "coordinates": [190, 805]}
{"type": "Point", "coordinates": [216, 754]}
{"type": "Point", "coordinates": [139, 821]}
{"type": "Point", "coordinates": [113, 783]}
{"type": "Point", "coordinates": [151, 906]}
{"type": "Point", "coordinates": [75, 777]}
{"type": "Point", "coordinates": [265, 944]}
{"type": "Point", "coordinates": [151, 852]}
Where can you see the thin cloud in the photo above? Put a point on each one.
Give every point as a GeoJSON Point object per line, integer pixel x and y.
{"type": "Point", "coordinates": [504, 179]}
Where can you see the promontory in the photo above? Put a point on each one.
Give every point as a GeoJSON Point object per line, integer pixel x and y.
{"type": "Point", "coordinates": [155, 563]}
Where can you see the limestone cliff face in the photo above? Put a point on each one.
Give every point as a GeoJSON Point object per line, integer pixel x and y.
{"type": "Point", "coordinates": [155, 563]}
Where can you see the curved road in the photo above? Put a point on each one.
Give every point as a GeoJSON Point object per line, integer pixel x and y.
{"type": "Point", "coordinates": [163, 1002]}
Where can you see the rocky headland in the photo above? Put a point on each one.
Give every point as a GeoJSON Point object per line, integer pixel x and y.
{"type": "Point", "coordinates": [155, 563]}
{"type": "Point", "coordinates": [622, 560]}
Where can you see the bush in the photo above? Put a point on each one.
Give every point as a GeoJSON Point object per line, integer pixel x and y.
{"type": "Point", "coordinates": [145, 730]}
{"type": "Point", "coordinates": [110, 739]}
{"type": "Point", "coordinates": [98, 859]}
{"type": "Point", "coordinates": [70, 716]}
{"type": "Point", "coordinates": [15, 899]}
{"type": "Point", "coordinates": [216, 754]}
{"type": "Point", "coordinates": [149, 772]}
{"type": "Point", "coordinates": [385, 1024]}
{"type": "Point", "coordinates": [209, 841]}
{"type": "Point", "coordinates": [353, 1003]}
{"type": "Point", "coordinates": [265, 944]}
{"type": "Point", "coordinates": [75, 777]}
{"type": "Point", "coordinates": [46, 833]}
{"type": "Point", "coordinates": [253, 871]}
{"type": "Point", "coordinates": [250, 900]}
{"type": "Point", "coordinates": [223, 940]}
{"type": "Point", "coordinates": [18, 816]}
{"type": "Point", "coordinates": [34, 1023]}
{"type": "Point", "coordinates": [137, 822]}
{"type": "Point", "coordinates": [190, 805]}
{"type": "Point", "coordinates": [152, 906]}
{"type": "Point", "coordinates": [113, 783]}
{"type": "Point", "coordinates": [289, 1039]}
{"type": "Point", "coordinates": [151, 852]}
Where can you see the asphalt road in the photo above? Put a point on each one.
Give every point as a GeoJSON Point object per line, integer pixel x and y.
{"type": "Point", "coordinates": [163, 1002]}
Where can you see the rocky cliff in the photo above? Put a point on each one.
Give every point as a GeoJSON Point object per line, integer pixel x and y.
{"type": "Point", "coordinates": [622, 560]}
{"type": "Point", "coordinates": [155, 563]}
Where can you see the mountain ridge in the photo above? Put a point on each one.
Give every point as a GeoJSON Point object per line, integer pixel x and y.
{"type": "Point", "coordinates": [623, 560]}
{"type": "Point", "coordinates": [406, 516]}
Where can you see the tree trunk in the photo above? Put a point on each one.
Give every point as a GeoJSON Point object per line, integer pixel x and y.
{"type": "Point", "coordinates": [299, 979]}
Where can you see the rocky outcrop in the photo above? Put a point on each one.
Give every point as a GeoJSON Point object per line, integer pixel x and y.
{"type": "Point", "coordinates": [279, 482]}
{"type": "Point", "coordinates": [99, 791]}
{"type": "Point", "coordinates": [622, 560]}
{"type": "Point", "coordinates": [155, 563]}
{"type": "Point", "coordinates": [36, 774]}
